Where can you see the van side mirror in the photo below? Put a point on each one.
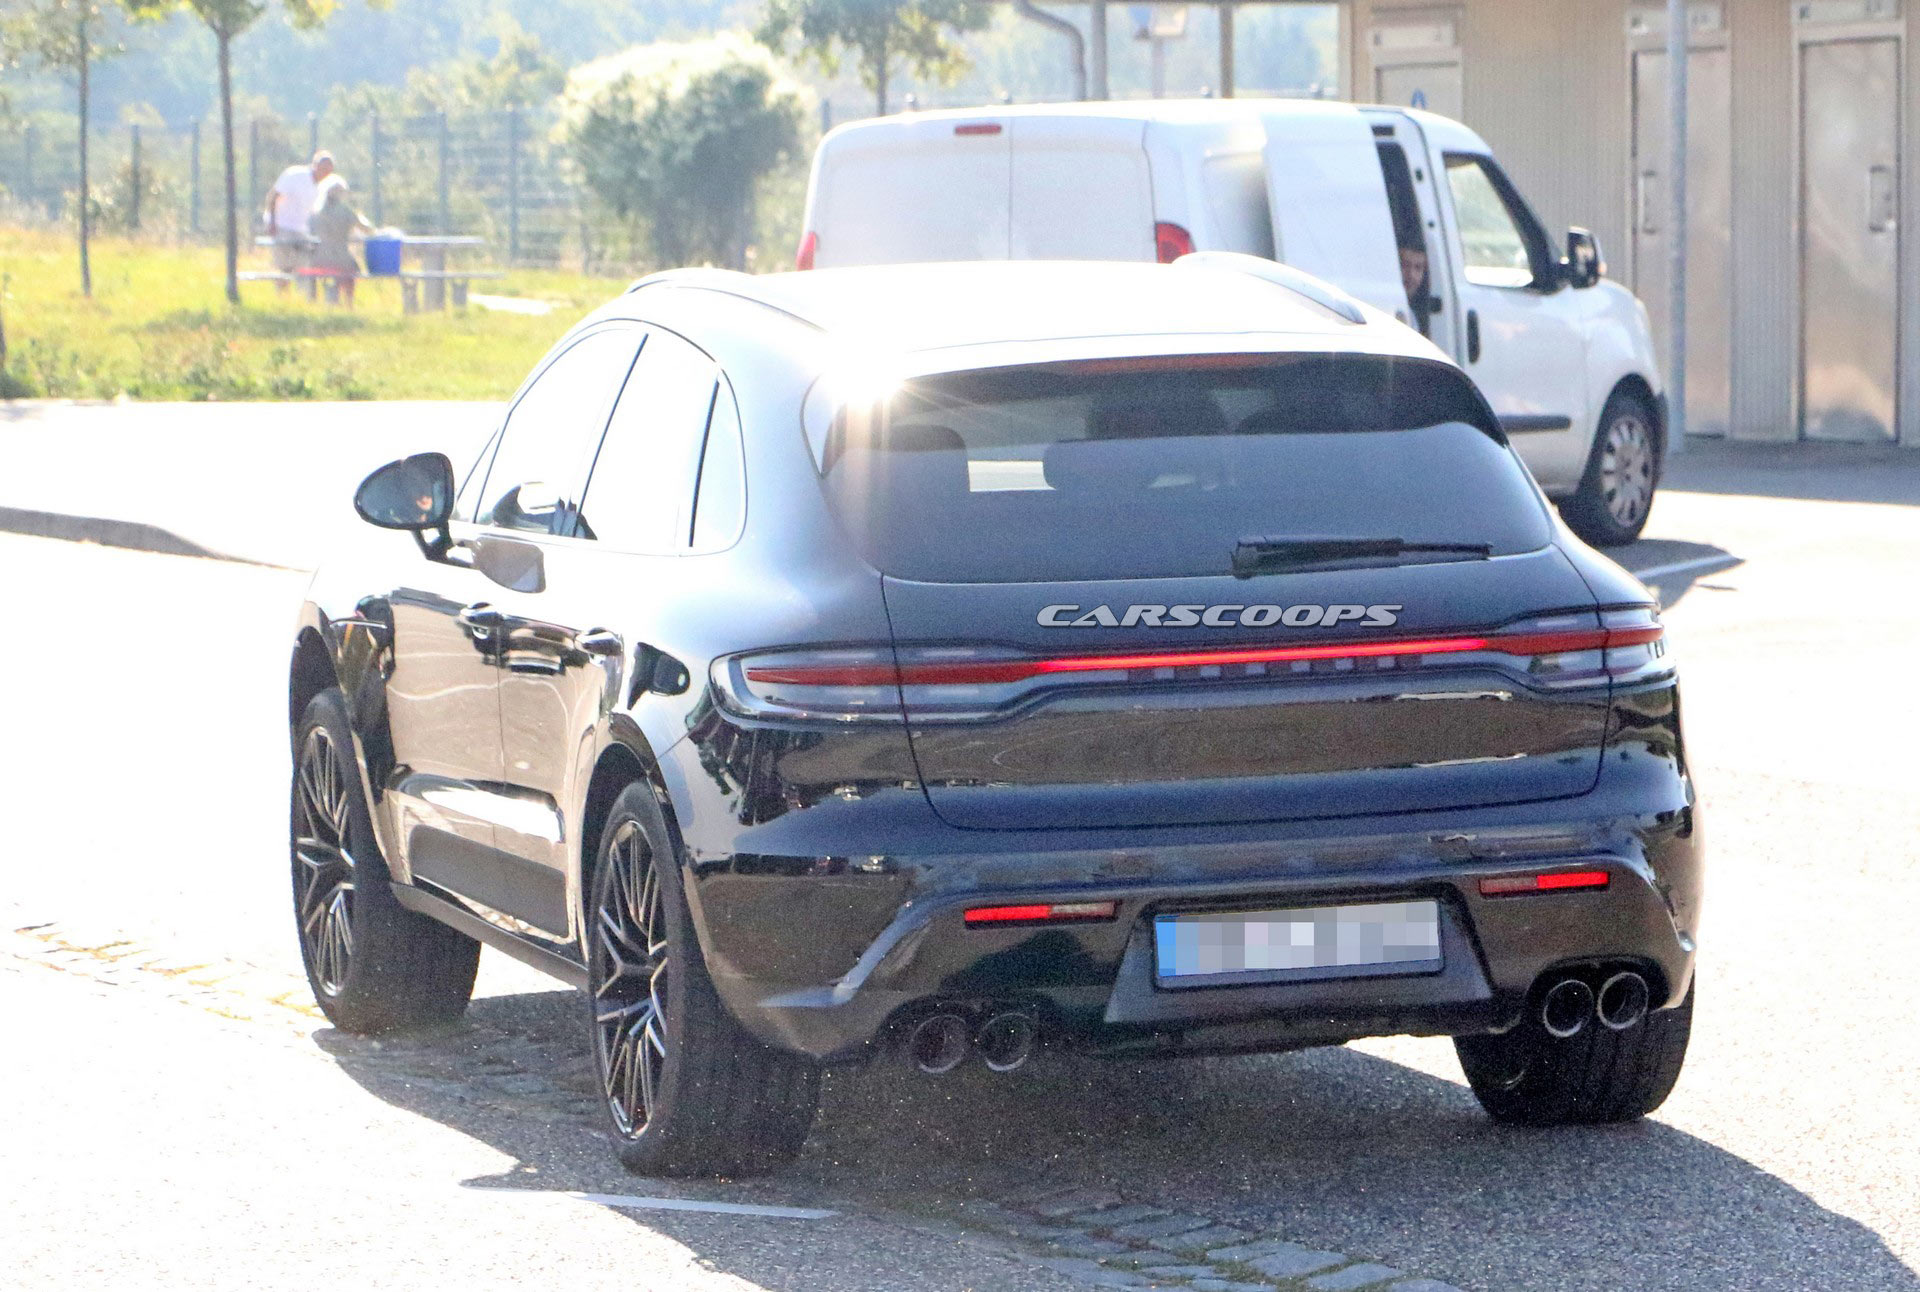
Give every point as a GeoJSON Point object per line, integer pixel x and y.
{"type": "Point", "coordinates": [414, 494]}
{"type": "Point", "coordinates": [1584, 265]}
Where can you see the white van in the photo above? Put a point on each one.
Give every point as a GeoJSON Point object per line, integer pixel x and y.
{"type": "Point", "coordinates": [1370, 198]}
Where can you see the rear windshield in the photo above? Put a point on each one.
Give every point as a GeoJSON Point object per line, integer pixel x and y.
{"type": "Point", "coordinates": [1152, 468]}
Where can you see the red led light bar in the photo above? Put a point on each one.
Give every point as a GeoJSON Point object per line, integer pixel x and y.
{"type": "Point", "coordinates": [1557, 881]}
{"type": "Point", "coordinates": [986, 672]}
{"type": "Point", "coordinates": [1042, 912]}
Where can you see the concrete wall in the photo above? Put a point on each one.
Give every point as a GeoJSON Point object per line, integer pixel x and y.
{"type": "Point", "coordinates": [1547, 83]}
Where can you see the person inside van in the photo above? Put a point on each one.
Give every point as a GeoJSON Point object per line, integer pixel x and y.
{"type": "Point", "coordinates": [1413, 276]}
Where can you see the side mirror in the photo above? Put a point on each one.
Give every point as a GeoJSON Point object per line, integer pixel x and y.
{"type": "Point", "coordinates": [1584, 265]}
{"type": "Point", "coordinates": [414, 494]}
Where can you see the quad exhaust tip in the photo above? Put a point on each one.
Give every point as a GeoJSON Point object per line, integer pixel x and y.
{"type": "Point", "coordinates": [1567, 1006]}
{"type": "Point", "coordinates": [1005, 1041]}
{"type": "Point", "coordinates": [940, 1043]}
{"type": "Point", "coordinates": [1623, 1001]}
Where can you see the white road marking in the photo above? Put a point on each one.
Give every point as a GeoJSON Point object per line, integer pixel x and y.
{"type": "Point", "coordinates": [635, 1203]}
{"type": "Point", "coordinates": [1652, 572]}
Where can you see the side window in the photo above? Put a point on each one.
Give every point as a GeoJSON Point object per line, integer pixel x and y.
{"type": "Point", "coordinates": [541, 463]}
{"type": "Point", "coordinates": [720, 504]}
{"type": "Point", "coordinates": [640, 495]}
{"type": "Point", "coordinates": [468, 499]}
{"type": "Point", "coordinates": [1498, 237]}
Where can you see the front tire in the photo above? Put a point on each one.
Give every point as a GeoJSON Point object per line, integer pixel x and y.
{"type": "Point", "coordinates": [374, 966]}
{"type": "Point", "coordinates": [1615, 496]}
{"type": "Point", "coordinates": [1527, 1077]}
{"type": "Point", "coordinates": [686, 1090]}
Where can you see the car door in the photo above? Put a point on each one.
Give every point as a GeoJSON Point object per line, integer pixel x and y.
{"type": "Point", "coordinates": [523, 496]}
{"type": "Point", "coordinates": [1520, 336]}
{"type": "Point", "coordinates": [568, 651]}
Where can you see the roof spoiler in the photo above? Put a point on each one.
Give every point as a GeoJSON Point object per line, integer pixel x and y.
{"type": "Point", "coordinates": [1318, 290]}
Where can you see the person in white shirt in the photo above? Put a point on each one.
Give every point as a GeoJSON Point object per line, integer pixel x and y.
{"type": "Point", "coordinates": [289, 210]}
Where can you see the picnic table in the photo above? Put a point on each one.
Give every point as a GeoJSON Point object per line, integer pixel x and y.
{"type": "Point", "coordinates": [424, 287]}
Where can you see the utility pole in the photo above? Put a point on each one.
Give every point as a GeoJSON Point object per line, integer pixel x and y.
{"type": "Point", "coordinates": [133, 168]}
{"type": "Point", "coordinates": [1097, 37]}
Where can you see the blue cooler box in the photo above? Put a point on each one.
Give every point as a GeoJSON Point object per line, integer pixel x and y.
{"type": "Point", "coordinates": [383, 255]}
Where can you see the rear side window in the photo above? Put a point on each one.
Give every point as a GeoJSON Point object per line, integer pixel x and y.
{"type": "Point", "coordinates": [1149, 468]}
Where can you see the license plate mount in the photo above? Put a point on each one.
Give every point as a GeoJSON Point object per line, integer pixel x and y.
{"type": "Point", "coordinates": [1301, 943]}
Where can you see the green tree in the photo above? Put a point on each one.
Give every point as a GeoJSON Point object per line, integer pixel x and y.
{"type": "Point", "coordinates": [877, 33]}
{"type": "Point", "coordinates": [61, 35]}
{"type": "Point", "coordinates": [679, 136]}
{"type": "Point", "coordinates": [227, 19]}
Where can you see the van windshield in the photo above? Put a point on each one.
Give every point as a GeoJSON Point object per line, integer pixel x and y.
{"type": "Point", "coordinates": [1165, 467]}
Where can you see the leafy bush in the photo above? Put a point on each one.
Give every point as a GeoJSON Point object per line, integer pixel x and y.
{"type": "Point", "coordinates": [675, 138]}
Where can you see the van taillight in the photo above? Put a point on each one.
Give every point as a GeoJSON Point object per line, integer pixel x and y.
{"type": "Point", "coordinates": [971, 683]}
{"type": "Point", "coordinates": [1170, 242]}
{"type": "Point", "coordinates": [803, 258]}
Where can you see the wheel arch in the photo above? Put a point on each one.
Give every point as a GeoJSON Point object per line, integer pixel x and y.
{"type": "Point", "coordinates": [1637, 385]}
{"type": "Point", "coordinates": [310, 673]}
{"type": "Point", "coordinates": [626, 760]}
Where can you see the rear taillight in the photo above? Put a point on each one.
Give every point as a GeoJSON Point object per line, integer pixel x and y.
{"type": "Point", "coordinates": [1170, 242]}
{"type": "Point", "coordinates": [968, 683]}
{"type": "Point", "coordinates": [803, 258]}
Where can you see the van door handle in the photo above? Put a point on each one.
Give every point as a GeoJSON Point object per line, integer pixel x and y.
{"type": "Point", "coordinates": [1473, 336]}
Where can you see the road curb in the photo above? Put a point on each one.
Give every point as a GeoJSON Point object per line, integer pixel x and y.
{"type": "Point", "coordinates": [130, 534]}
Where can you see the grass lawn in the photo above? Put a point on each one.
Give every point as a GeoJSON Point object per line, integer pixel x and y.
{"type": "Point", "coordinates": [159, 327]}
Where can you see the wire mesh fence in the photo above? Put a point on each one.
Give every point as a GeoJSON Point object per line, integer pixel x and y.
{"type": "Point", "coordinates": [496, 174]}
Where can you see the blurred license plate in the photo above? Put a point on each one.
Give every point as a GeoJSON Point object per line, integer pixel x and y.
{"type": "Point", "coordinates": [1304, 942]}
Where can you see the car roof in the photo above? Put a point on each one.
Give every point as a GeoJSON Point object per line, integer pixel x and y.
{"type": "Point", "coordinates": [919, 308]}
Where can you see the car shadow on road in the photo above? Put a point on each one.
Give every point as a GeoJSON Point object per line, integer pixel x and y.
{"type": "Point", "coordinates": [1332, 1147]}
{"type": "Point", "coordinates": [1672, 566]}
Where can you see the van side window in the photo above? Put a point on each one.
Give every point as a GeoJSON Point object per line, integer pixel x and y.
{"type": "Point", "coordinates": [1416, 258]}
{"type": "Point", "coordinates": [1501, 244]}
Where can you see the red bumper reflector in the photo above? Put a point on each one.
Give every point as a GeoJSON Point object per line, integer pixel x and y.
{"type": "Point", "coordinates": [978, 128]}
{"type": "Point", "coordinates": [1042, 912]}
{"type": "Point", "coordinates": [1558, 881]}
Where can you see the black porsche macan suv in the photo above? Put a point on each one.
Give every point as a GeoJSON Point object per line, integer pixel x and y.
{"type": "Point", "coordinates": [951, 660]}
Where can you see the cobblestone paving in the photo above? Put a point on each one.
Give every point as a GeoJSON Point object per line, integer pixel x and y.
{"type": "Point", "coordinates": [1096, 1237]}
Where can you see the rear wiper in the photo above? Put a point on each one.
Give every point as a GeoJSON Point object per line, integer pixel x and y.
{"type": "Point", "coordinates": [1257, 555]}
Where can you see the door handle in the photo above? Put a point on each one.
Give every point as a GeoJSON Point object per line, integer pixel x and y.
{"type": "Point", "coordinates": [1881, 201]}
{"type": "Point", "coordinates": [1473, 336]}
{"type": "Point", "coordinates": [600, 641]}
{"type": "Point", "coordinates": [481, 617]}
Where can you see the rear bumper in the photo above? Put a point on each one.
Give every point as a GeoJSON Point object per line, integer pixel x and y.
{"type": "Point", "coordinates": [822, 955]}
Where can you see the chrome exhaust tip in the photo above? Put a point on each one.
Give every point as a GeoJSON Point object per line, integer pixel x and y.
{"type": "Point", "coordinates": [1566, 1007]}
{"type": "Point", "coordinates": [1005, 1041]}
{"type": "Point", "coordinates": [940, 1043]}
{"type": "Point", "coordinates": [1623, 1000]}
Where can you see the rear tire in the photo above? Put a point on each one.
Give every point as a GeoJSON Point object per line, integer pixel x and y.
{"type": "Point", "coordinates": [1527, 1077]}
{"type": "Point", "coordinates": [374, 966]}
{"type": "Point", "coordinates": [687, 1090]}
{"type": "Point", "coordinates": [1615, 496]}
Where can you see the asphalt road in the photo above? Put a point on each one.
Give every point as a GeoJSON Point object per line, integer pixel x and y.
{"type": "Point", "coordinates": [178, 1120]}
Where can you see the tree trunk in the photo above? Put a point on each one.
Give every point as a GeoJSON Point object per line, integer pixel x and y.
{"type": "Point", "coordinates": [880, 75]}
{"type": "Point", "coordinates": [223, 40]}
{"type": "Point", "coordinates": [86, 197]}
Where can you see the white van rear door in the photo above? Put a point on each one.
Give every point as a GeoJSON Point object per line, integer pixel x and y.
{"type": "Point", "coordinates": [909, 190]}
{"type": "Point", "coordinates": [1081, 189]}
{"type": "Point", "coordinates": [1330, 214]}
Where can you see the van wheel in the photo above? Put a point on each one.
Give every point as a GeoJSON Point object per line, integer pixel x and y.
{"type": "Point", "coordinates": [687, 1091]}
{"type": "Point", "coordinates": [374, 966]}
{"type": "Point", "coordinates": [1610, 507]}
{"type": "Point", "coordinates": [1527, 1077]}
